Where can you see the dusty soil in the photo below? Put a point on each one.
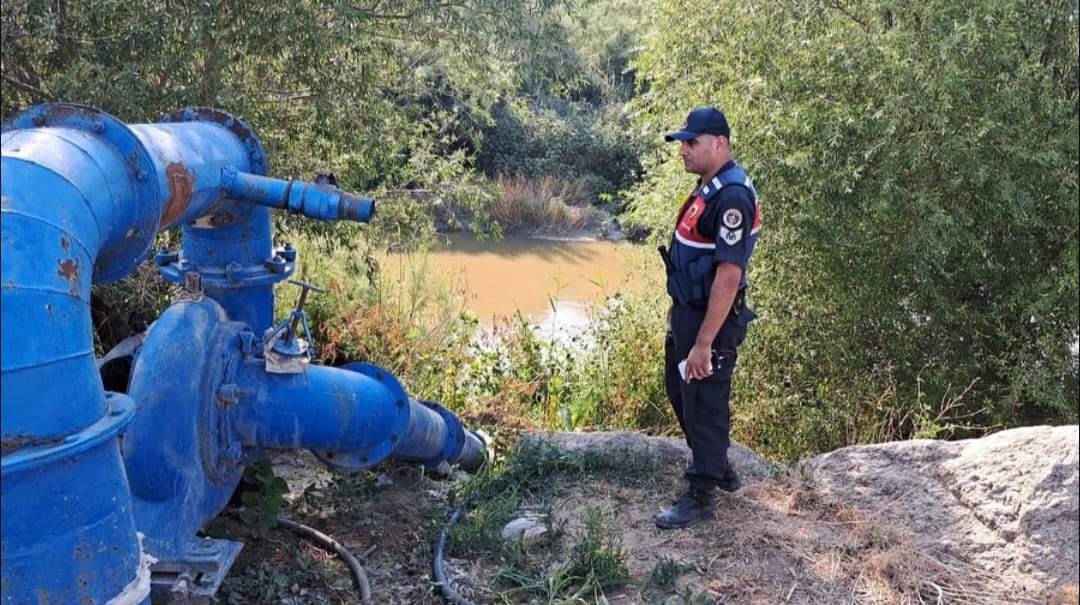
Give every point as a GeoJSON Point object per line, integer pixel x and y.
{"type": "Point", "coordinates": [993, 520]}
{"type": "Point", "coordinates": [389, 519]}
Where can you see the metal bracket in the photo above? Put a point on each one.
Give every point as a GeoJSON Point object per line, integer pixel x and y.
{"type": "Point", "coordinates": [196, 578]}
{"type": "Point", "coordinates": [193, 282]}
{"type": "Point", "coordinates": [285, 351]}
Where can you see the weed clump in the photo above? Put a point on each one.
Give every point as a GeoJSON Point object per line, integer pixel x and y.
{"type": "Point", "coordinates": [532, 476]}
{"type": "Point", "coordinates": [663, 576]}
{"type": "Point", "coordinates": [597, 560]}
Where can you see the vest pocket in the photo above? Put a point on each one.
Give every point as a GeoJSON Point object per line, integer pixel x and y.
{"type": "Point", "coordinates": [700, 272]}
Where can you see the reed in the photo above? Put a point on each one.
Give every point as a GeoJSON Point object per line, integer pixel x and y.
{"type": "Point", "coordinates": [548, 204]}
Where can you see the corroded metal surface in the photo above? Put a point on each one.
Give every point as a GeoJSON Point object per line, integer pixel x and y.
{"type": "Point", "coordinates": [181, 183]}
{"type": "Point", "coordinates": [16, 442]}
{"type": "Point", "coordinates": [69, 270]}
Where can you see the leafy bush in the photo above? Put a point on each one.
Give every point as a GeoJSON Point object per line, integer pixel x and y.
{"type": "Point", "coordinates": [621, 375]}
{"type": "Point", "coordinates": [564, 139]}
{"type": "Point", "coordinates": [917, 274]}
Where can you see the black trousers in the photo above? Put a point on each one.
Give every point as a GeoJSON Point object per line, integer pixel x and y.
{"type": "Point", "coordinates": [702, 405]}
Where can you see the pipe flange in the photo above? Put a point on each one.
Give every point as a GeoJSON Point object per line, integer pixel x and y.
{"type": "Point", "coordinates": [359, 460]}
{"type": "Point", "coordinates": [219, 448]}
{"type": "Point", "coordinates": [256, 153]}
{"type": "Point", "coordinates": [120, 412]}
{"type": "Point", "coordinates": [270, 272]}
{"type": "Point", "coordinates": [114, 262]}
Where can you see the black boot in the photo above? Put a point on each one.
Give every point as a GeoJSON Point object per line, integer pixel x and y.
{"type": "Point", "coordinates": [731, 482]}
{"type": "Point", "coordinates": [692, 507]}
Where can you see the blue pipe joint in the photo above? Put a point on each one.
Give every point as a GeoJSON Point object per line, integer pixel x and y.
{"type": "Point", "coordinates": [436, 436]}
{"type": "Point", "coordinates": [358, 460]}
{"type": "Point", "coordinates": [256, 155]}
{"type": "Point", "coordinates": [134, 205]}
{"type": "Point", "coordinates": [280, 266]}
{"type": "Point", "coordinates": [322, 202]}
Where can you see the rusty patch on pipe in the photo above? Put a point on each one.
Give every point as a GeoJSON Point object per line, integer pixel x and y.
{"type": "Point", "coordinates": [64, 243]}
{"type": "Point", "coordinates": [60, 111]}
{"type": "Point", "coordinates": [17, 442]}
{"type": "Point", "coordinates": [180, 186]}
{"type": "Point", "coordinates": [69, 270]}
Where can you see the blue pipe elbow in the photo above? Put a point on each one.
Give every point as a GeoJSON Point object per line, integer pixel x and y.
{"type": "Point", "coordinates": [80, 204]}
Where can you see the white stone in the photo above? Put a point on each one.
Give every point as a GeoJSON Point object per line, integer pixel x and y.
{"type": "Point", "coordinates": [528, 529]}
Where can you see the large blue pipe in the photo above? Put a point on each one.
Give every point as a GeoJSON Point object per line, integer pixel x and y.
{"type": "Point", "coordinates": [354, 417]}
{"type": "Point", "coordinates": [83, 198]}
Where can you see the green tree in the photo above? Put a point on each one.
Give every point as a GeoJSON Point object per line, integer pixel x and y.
{"type": "Point", "coordinates": [917, 162]}
{"type": "Point", "coordinates": [359, 89]}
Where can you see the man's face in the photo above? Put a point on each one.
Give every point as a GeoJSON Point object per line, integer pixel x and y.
{"type": "Point", "coordinates": [703, 155]}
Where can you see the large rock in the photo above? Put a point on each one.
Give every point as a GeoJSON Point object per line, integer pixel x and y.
{"type": "Point", "coordinates": [1007, 503]}
{"type": "Point", "coordinates": [657, 451]}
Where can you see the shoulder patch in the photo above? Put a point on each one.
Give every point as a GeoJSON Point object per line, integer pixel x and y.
{"type": "Point", "coordinates": [730, 236]}
{"type": "Point", "coordinates": [733, 218]}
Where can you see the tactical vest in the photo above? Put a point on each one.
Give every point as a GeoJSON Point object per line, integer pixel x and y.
{"type": "Point", "coordinates": [690, 263]}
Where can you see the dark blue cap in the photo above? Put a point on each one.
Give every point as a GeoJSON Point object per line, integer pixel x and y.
{"type": "Point", "coordinates": [703, 120]}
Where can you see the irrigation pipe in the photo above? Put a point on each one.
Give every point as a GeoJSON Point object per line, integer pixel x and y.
{"type": "Point", "coordinates": [439, 566]}
{"type": "Point", "coordinates": [332, 544]}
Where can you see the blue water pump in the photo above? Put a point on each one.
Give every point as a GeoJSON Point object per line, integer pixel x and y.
{"type": "Point", "coordinates": [103, 493]}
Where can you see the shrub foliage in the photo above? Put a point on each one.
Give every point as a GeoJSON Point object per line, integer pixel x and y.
{"type": "Point", "coordinates": [918, 168]}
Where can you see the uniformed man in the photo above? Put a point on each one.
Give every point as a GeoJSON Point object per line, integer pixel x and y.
{"type": "Point", "coordinates": [715, 233]}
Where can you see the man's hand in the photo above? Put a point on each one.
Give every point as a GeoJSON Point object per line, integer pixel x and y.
{"type": "Point", "coordinates": [721, 296]}
{"type": "Point", "coordinates": [699, 363]}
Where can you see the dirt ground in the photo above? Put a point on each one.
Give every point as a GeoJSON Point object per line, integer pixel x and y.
{"type": "Point", "coordinates": [781, 539]}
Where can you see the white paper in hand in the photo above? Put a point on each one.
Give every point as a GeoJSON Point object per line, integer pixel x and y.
{"type": "Point", "coordinates": [682, 370]}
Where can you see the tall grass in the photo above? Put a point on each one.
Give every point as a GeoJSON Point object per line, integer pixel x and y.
{"type": "Point", "coordinates": [549, 203]}
{"type": "Point", "coordinates": [412, 321]}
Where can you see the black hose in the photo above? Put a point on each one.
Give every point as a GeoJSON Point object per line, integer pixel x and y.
{"type": "Point", "coordinates": [328, 542]}
{"type": "Point", "coordinates": [439, 567]}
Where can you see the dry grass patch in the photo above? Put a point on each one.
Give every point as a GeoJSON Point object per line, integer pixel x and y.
{"type": "Point", "coordinates": [550, 204]}
{"type": "Point", "coordinates": [863, 553]}
{"type": "Point", "coordinates": [777, 541]}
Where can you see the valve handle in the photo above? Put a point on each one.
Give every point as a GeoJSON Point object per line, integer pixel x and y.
{"type": "Point", "coordinates": [298, 312]}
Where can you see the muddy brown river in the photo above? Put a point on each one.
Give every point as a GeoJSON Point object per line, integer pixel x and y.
{"type": "Point", "coordinates": [552, 282]}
